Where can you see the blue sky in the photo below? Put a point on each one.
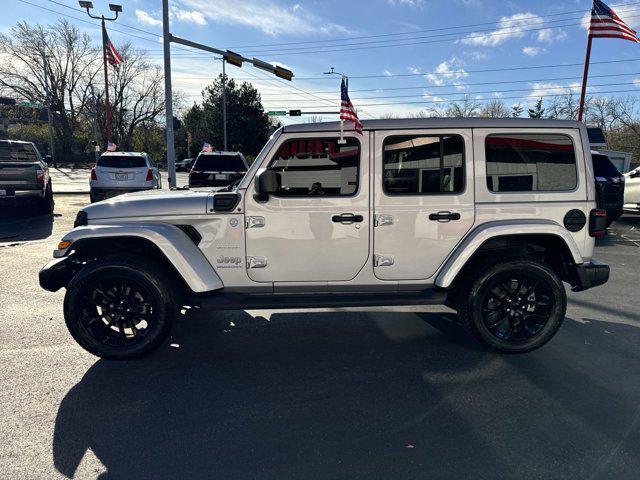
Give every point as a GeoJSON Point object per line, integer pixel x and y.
{"type": "Point", "coordinates": [421, 50]}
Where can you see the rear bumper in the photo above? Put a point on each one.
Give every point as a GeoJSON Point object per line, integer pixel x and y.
{"type": "Point", "coordinates": [57, 273]}
{"type": "Point", "coordinates": [591, 275]}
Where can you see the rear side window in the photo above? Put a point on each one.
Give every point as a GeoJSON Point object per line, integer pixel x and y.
{"type": "Point", "coordinates": [219, 163]}
{"type": "Point", "coordinates": [422, 165]}
{"type": "Point", "coordinates": [602, 166]}
{"type": "Point", "coordinates": [17, 152]}
{"type": "Point", "coordinates": [530, 163]}
{"type": "Point", "coordinates": [121, 161]}
{"type": "Point", "coordinates": [317, 167]}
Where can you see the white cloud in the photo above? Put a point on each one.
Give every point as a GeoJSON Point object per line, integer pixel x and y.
{"type": "Point", "coordinates": [550, 35]}
{"type": "Point", "coordinates": [387, 73]}
{"type": "Point", "coordinates": [541, 89]}
{"type": "Point", "coordinates": [533, 51]}
{"type": "Point", "coordinates": [145, 18]}
{"type": "Point", "coordinates": [414, 70]}
{"type": "Point", "coordinates": [479, 55]}
{"type": "Point", "coordinates": [409, 3]}
{"type": "Point", "coordinates": [448, 71]}
{"type": "Point", "coordinates": [636, 82]}
{"type": "Point", "coordinates": [265, 15]}
{"type": "Point", "coordinates": [515, 27]}
{"type": "Point", "coordinates": [190, 16]}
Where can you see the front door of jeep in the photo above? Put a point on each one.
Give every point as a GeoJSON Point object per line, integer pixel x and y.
{"type": "Point", "coordinates": [423, 200]}
{"type": "Point", "coordinates": [315, 228]}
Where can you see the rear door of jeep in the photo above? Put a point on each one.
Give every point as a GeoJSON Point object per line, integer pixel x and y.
{"type": "Point", "coordinates": [423, 199]}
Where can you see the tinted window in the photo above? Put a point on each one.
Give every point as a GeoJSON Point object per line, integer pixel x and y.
{"type": "Point", "coordinates": [17, 152]}
{"type": "Point", "coordinates": [530, 162]}
{"type": "Point", "coordinates": [602, 166]}
{"type": "Point", "coordinates": [317, 167]}
{"type": "Point", "coordinates": [219, 163]}
{"type": "Point", "coordinates": [121, 161]}
{"type": "Point", "coordinates": [415, 165]}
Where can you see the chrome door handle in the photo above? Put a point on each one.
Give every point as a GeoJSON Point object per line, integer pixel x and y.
{"type": "Point", "coordinates": [444, 216]}
{"type": "Point", "coordinates": [347, 218]}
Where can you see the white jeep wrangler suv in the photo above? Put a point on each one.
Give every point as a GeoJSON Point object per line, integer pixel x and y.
{"type": "Point", "coordinates": [488, 216]}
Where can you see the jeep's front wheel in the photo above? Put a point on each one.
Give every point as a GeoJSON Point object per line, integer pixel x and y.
{"type": "Point", "coordinates": [119, 308]}
{"type": "Point", "coordinates": [515, 306]}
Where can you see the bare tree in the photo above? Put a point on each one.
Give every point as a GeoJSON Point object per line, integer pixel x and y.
{"type": "Point", "coordinates": [464, 109]}
{"type": "Point", "coordinates": [495, 109]}
{"type": "Point", "coordinates": [57, 58]}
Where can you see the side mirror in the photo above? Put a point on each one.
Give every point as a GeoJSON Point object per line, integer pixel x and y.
{"type": "Point", "coordinates": [635, 174]}
{"type": "Point", "coordinates": [267, 183]}
{"type": "Point", "coordinates": [47, 159]}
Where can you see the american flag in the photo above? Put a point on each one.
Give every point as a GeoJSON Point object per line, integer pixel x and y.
{"type": "Point", "coordinates": [207, 148]}
{"type": "Point", "coordinates": [347, 112]}
{"type": "Point", "coordinates": [111, 147]}
{"type": "Point", "coordinates": [110, 52]}
{"type": "Point", "coordinates": [606, 24]}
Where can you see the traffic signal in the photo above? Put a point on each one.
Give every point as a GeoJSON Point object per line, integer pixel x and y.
{"type": "Point", "coordinates": [295, 113]}
{"type": "Point", "coordinates": [283, 73]}
{"type": "Point", "coordinates": [233, 58]}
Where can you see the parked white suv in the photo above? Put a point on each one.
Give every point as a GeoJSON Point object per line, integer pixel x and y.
{"type": "Point", "coordinates": [121, 172]}
{"type": "Point", "coordinates": [488, 216]}
{"type": "Point", "coordinates": [632, 191]}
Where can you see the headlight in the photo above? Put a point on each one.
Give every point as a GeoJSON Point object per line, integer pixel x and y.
{"type": "Point", "coordinates": [81, 219]}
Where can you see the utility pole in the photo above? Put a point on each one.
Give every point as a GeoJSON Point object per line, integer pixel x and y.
{"type": "Point", "coordinates": [224, 104]}
{"type": "Point", "coordinates": [229, 56]}
{"type": "Point", "coordinates": [47, 91]}
{"type": "Point", "coordinates": [117, 9]}
{"type": "Point", "coordinates": [168, 96]}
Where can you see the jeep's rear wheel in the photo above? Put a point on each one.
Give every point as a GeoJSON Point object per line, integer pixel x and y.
{"type": "Point", "coordinates": [514, 307]}
{"type": "Point", "coordinates": [119, 308]}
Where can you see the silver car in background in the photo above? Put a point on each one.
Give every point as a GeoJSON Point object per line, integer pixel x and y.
{"type": "Point", "coordinates": [121, 172]}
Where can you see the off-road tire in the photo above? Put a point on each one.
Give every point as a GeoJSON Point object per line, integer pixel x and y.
{"type": "Point", "coordinates": [136, 269]}
{"type": "Point", "coordinates": [46, 203]}
{"type": "Point", "coordinates": [474, 291]}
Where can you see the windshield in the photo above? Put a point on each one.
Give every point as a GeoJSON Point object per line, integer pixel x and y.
{"type": "Point", "coordinates": [219, 163]}
{"type": "Point", "coordinates": [17, 152]}
{"type": "Point", "coordinates": [121, 161]}
{"type": "Point", "coordinates": [602, 166]}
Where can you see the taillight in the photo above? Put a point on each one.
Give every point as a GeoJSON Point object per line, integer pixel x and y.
{"type": "Point", "coordinates": [93, 174]}
{"type": "Point", "coordinates": [40, 176]}
{"type": "Point", "coordinates": [149, 175]}
{"type": "Point", "coordinates": [598, 222]}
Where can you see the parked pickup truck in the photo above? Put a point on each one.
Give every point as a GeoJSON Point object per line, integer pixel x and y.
{"type": "Point", "coordinates": [488, 216]}
{"type": "Point", "coordinates": [24, 174]}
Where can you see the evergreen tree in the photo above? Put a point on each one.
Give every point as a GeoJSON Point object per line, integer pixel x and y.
{"type": "Point", "coordinates": [537, 111]}
{"type": "Point", "coordinates": [516, 110]}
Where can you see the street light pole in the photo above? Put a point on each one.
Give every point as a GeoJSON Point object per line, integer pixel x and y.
{"type": "Point", "coordinates": [117, 9]}
{"type": "Point", "coordinates": [94, 123]}
{"type": "Point", "coordinates": [168, 105]}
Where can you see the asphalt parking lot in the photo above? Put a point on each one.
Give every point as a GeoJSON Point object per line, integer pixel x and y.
{"type": "Point", "coordinates": [324, 394]}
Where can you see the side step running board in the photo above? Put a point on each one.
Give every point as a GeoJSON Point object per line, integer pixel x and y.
{"type": "Point", "coordinates": [257, 301]}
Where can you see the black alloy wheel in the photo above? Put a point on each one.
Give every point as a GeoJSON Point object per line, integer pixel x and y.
{"type": "Point", "coordinates": [513, 307]}
{"type": "Point", "coordinates": [120, 307]}
{"type": "Point", "coordinates": [117, 312]}
{"type": "Point", "coordinates": [517, 308]}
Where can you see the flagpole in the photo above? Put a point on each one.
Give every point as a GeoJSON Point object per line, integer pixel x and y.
{"type": "Point", "coordinates": [585, 77]}
{"type": "Point", "coordinates": [107, 106]}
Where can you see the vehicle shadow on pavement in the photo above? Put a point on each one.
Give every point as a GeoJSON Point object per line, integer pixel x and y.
{"type": "Point", "coordinates": [24, 223]}
{"type": "Point", "coordinates": [355, 395]}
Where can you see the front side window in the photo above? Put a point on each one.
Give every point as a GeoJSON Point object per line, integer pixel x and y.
{"type": "Point", "coordinates": [422, 165]}
{"type": "Point", "coordinates": [317, 167]}
{"type": "Point", "coordinates": [530, 162]}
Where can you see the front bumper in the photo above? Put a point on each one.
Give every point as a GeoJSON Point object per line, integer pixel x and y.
{"type": "Point", "coordinates": [591, 275]}
{"type": "Point", "coordinates": [58, 273]}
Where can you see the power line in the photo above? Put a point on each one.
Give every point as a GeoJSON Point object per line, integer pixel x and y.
{"type": "Point", "coordinates": [428, 102]}
{"type": "Point", "coordinates": [496, 22]}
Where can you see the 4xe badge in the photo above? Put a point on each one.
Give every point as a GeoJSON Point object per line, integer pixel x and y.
{"type": "Point", "coordinates": [233, 222]}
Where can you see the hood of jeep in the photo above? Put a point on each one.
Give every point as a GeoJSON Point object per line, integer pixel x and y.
{"type": "Point", "coordinates": [150, 203]}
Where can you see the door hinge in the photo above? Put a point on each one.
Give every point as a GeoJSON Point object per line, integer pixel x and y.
{"type": "Point", "coordinates": [255, 222]}
{"type": "Point", "coordinates": [256, 262]}
{"type": "Point", "coordinates": [381, 220]}
{"type": "Point", "coordinates": [382, 261]}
